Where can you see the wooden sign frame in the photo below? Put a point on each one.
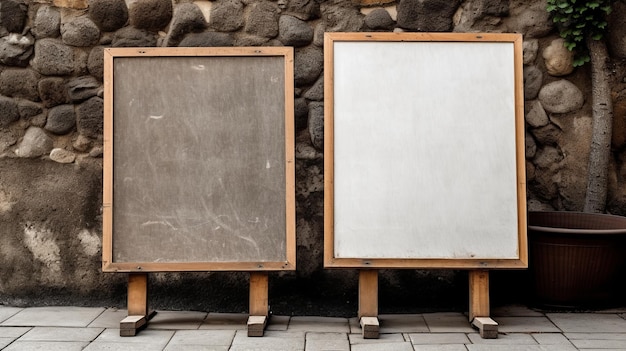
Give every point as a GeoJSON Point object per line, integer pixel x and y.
{"type": "Point", "coordinates": [358, 69]}
{"type": "Point", "coordinates": [284, 158]}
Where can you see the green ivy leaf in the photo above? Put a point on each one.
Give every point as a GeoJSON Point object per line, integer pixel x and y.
{"type": "Point", "coordinates": [581, 60]}
{"type": "Point", "coordinates": [578, 20]}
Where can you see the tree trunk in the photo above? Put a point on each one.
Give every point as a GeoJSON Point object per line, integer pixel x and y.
{"type": "Point", "coordinates": [602, 106]}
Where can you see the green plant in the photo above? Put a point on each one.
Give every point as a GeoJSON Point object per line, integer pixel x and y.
{"type": "Point", "coordinates": [579, 20]}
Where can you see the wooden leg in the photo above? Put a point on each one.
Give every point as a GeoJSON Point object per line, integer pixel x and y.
{"type": "Point", "coordinates": [137, 305]}
{"type": "Point", "coordinates": [368, 303]}
{"type": "Point", "coordinates": [259, 307]}
{"type": "Point", "coordinates": [479, 304]}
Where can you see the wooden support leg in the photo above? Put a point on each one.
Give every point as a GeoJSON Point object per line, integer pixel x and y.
{"type": "Point", "coordinates": [479, 304]}
{"type": "Point", "coordinates": [368, 303]}
{"type": "Point", "coordinates": [138, 313]}
{"type": "Point", "coordinates": [259, 307]}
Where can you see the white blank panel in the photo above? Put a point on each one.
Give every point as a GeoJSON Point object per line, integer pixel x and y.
{"type": "Point", "coordinates": [425, 150]}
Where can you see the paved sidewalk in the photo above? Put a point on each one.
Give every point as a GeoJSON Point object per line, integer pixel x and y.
{"type": "Point", "coordinates": [91, 329]}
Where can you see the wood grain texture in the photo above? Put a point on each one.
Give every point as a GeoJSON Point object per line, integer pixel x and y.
{"type": "Point", "coordinates": [478, 294]}
{"type": "Point", "coordinates": [137, 294]}
{"type": "Point", "coordinates": [259, 285]}
{"type": "Point", "coordinates": [368, 293]}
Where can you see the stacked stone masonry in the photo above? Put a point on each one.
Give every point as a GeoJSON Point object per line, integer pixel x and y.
{"type": "Point", "coordinates": [51, 102]}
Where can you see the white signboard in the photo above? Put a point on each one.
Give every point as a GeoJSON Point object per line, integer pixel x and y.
{"type": "Point", "coordinates": [424, 140]}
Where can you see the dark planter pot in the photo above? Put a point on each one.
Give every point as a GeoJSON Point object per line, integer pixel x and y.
{"type": "Point", "coordinates": [576, 260]}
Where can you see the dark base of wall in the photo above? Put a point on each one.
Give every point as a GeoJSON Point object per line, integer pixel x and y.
{"type": "Point", "coordinates": [332, 293]}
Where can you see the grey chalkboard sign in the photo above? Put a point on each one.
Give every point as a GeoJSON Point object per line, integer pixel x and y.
{"type": "Point", "coordinates": [199, 164]}
{"type": "Point", "coordinates": [424, 151]}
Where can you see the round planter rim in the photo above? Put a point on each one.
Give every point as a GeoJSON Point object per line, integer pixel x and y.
{"type": "Point", "coordinates": [565, 230]}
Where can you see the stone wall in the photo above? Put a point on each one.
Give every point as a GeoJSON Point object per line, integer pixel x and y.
{"type": "Point", "coordinates": [51, 105]}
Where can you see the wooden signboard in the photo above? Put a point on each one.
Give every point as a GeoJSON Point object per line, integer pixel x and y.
{"type": "Point", "coordinates": [199, 160]}
{"type": "Point", "coordinates": [424, 151]}
{"type": "Point", "coordinates": [424, 159]}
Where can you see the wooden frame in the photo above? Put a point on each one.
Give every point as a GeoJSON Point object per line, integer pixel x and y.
{"type": "Point", "coordinates": [354, 57]}
{"type": "Point", "coordinates": [280, 60]}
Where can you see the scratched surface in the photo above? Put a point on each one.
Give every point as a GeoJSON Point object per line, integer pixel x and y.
{"type": "Point", "coordinates": [199, 159]}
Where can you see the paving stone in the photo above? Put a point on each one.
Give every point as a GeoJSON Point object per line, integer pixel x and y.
{"type": "Point", "coordinates": [13, 332]}
{"type": "Point", "coordinates": [237, 321]}
{"type": "Point", "coordinates": [453, 347]}
{"type": "Point", "coordinates": [551, 339]}
{"type": "Point", "coordinates": [177, 320]}
{"type": "Point", "coordinates": [483, 347]}
{"type": "Point", "coordinates": [402, 323]}
{"type": "Point", "coordinates": [326, 336]}
{"type": "Point", "coordinates": [319, 324]}
{"type": "Point", "coordinates": [271, 340]}
{"type": "Point", "coordinates": [526, 325]}
{"type": "Point", "coordinates": [355, 326]}
{"type": "Point", "coordinates": [598, 341]}
{"type": "Point", "coordinates": [602, 336]}
{"type": "Point", "coordinates": [327, 344]}
{"type": "Point", "coordinates": [588, 322]}
{"type": "Point", "coordinates": [441, 338]}
{"type": "Point", "coordinates": [7, 312]}
{"type": "Point", "coordinates": [158, 338]}
{"type": "Point", "coordinates": [390, 346]}
{"type": "Point", "coordinates": [195, 348]}
{"type": "Point", "coordinates": [126, 346]}
{"type": "Point", "coordinates": [46, 345]}
{"type": "Point", "coordinates": [443, 347]}
{"type": "Point", "coordinates": [504, 339]}
{"type": "Point", "coordinates": [202, 337]}
{"type": "Point", "coordinates": [61, 334]}
{"type": "Point", "coordinates": [447, 322]}
{"type": "Point", "coordinates": [515, 311]}
{"type": "Point", "coordinates": [110, 318]}
{"type": "Point", "coordinates": [54, 316]}
{"type": "Point", "coordinates": [4, 342]}
{"type": "Point", "coordinates": [383, 338]}
{"type": "Point", "coordinates": [278, 323]}
{"type": "Point", "coordinates": [600, 344]}
{"type": "Point", "coordinates": [598, 331]}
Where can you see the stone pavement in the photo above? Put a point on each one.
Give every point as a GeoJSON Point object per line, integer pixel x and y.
{"type": "Point", "coordinates": [521, 328]}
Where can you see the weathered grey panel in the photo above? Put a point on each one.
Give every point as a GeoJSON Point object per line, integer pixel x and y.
{"type": "Point", "coordinates": [199, 159]}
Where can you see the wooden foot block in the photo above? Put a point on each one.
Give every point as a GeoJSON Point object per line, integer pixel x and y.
{"type": "Point", "coordinates": [256, 325]}
{"type": "Point", "coordinates": [130, 325]}
{"type": "Point", "coordinates": [487, 327]}
{"type": "Point", "coordinates": [370, 327]}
